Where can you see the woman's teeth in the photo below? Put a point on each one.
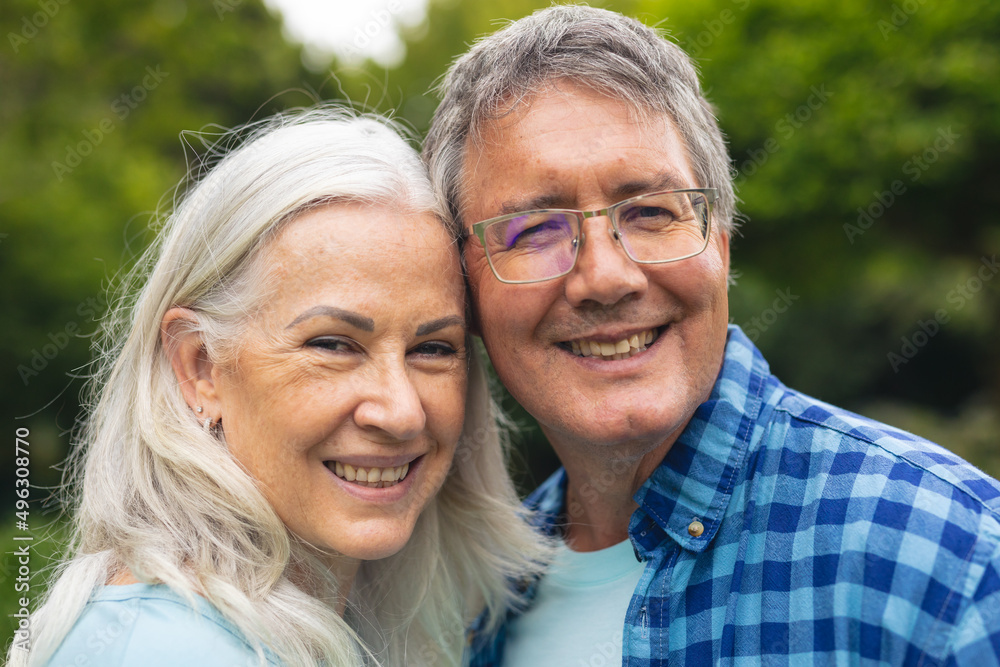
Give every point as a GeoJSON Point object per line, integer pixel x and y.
{"type": "Point", "coordinates": [623, 349]}
{"type": "Point", "coordinates": [378, 478]}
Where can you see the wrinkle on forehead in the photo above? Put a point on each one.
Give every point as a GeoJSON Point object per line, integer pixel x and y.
{"type": "Point", "coordinates": [505, 111]}
{"type": "Point", "coordinates": [493, 121]}
{"type": "Point", "coordinates": [628, 130]}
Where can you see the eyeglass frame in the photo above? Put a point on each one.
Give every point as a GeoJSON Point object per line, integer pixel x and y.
{"type": "Point", "coordinates": [479, 230]}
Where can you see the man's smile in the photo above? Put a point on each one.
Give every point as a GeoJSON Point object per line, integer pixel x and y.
{"type": "Point", "coordinates": [612, 350]}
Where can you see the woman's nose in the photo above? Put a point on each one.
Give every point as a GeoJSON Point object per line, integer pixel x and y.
{"type": "Point", "coordinates": [392, 405]}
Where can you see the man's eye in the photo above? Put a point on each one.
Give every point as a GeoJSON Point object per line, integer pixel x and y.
{"type": "Point", "coordinates": [538, 232]}
{"type": "Point", "coordinates": [650, 213]}
{"type": "Point", "coordinates": [332, 343]}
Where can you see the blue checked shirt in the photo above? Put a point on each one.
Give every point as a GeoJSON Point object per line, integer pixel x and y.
{"type": "Point", "coordinates": [829, 539]}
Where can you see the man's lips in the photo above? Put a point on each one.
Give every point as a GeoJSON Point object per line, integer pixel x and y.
{"type": "Point", "coordinates": [613, 350]}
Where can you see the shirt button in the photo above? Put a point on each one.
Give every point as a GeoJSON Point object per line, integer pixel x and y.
{"type": "Point", "coordinates": [696, 528]}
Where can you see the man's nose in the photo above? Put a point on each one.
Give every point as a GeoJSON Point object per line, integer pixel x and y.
{"type": "Point", "coordinates": [603, 274]}
{"type": "Point", "coordinates": [391, 404]}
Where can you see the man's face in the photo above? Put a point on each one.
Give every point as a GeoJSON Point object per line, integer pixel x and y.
{"type": "Point", "coordinates": [570, 147]}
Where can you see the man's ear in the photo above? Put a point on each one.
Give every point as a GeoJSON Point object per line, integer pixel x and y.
{"type": "Point", "coordinates": [182, 343]}
{"type": "Point", "coordinates": [724, 248]}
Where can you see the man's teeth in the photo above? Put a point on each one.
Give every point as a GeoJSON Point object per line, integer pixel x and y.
{"type": "Point", "coordinates": [623, 349]}
{"type": "Point", "coordinates": [379, 478]}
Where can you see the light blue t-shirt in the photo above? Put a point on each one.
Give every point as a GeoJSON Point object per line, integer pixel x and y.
{"type": "Point", "coordinates": [151, 626]}
{"type": "Point", "coordinates": [578, 615]}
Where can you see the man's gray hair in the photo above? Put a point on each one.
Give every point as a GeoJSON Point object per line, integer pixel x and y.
{"type": "Point", "coordinates": [615, 55]}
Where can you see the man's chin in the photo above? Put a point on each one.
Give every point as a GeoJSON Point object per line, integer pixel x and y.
{"type": "Point", "coordinates": [628, 433]}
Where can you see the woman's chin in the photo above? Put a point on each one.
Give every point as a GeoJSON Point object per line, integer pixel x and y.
{"type": "Point", "coordinates": [376, 545]}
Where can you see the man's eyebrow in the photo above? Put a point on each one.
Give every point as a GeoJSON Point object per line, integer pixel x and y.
{"type": "Point", "coordinates": [440, 323]}
{"type": "Point", "coordinates": [354, 319]}
{"type": "Point", "coordinates": [665, 180]}
{"type": "Point", "coordinates": [532, 204]}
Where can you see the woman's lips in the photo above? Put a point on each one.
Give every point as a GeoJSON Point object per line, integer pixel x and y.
{"type": "Point", "coordinates": [372, 477]}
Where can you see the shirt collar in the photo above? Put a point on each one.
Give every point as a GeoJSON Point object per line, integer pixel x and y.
{"type": "Point", "coordinates": [696, 478]}
{"type": "Point", "coordinates": [695, 481]}
{"type": "Point", "coordinates": [546, 504]}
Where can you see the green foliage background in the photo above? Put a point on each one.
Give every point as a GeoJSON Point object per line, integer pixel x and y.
{"type": "Point", "coordinates": [832, 109]}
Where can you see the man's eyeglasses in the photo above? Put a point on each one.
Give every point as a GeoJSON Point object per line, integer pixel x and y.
{"type": "Point", "coordinates": [654, 228]}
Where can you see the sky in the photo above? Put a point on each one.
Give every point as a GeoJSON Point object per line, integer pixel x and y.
{"type": "Point", "coordinates": [350, 29]}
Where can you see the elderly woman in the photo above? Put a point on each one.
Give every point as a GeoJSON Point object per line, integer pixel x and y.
{"type": "Point", "coordinates": [290, 456]}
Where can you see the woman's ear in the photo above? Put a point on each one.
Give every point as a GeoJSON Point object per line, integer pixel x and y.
{"type": "Point", "coordinates": [182, 343]}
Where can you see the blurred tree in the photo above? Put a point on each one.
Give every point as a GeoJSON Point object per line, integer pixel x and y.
{"type": "Point", "coordinates": [94, 97]}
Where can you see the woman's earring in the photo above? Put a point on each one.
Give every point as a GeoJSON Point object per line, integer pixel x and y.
{"type": "Point", "coordinates": [208, 423]}
{"type": "Point", "coordinates": [200, 409]}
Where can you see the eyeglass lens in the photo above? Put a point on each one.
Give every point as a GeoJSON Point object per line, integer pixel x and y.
{"type": "Point", "coordinates": [543, 244]}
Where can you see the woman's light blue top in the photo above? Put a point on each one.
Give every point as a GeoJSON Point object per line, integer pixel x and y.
{"type": "Point", "coordinates": [151, 626]}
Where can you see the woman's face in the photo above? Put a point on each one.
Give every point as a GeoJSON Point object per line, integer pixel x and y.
{"type": "Point", "coordinates": [354, 370]}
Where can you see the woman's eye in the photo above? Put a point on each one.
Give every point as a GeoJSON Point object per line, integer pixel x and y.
{"type": "Point", "coordinates": [435, 349]}
{"type": "Point", "coordinates": [331, 343]}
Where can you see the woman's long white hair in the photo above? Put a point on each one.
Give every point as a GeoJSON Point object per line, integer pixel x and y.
{"type": "Point", "coordinates": [155, 494]}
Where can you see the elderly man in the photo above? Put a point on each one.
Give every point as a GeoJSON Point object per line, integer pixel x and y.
{"type": "Point", "coordinates": [707, 513]}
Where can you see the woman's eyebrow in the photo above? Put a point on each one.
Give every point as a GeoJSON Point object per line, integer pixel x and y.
{"type": "Point", "coordinates": [354, 319]}
{"type": "Point", "coordinates": [440, 323]}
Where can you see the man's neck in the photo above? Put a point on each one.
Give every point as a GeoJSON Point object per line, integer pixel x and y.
{"type": "Point", "coordinates": [601, 483]}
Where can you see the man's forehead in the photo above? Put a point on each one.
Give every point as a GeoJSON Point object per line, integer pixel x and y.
{"type": "Point", "coordinates": [502, 120]}
{"type": "Point", "coordinates": [504, 148]}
